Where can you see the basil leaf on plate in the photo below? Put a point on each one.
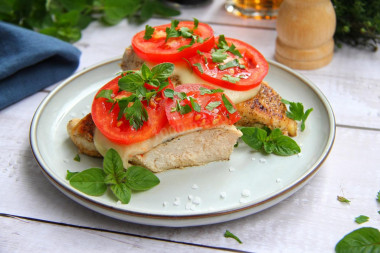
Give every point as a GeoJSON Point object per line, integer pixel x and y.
{"type": "Point", "coordinates": [90, 181]}
{"type": "Point", "coordinates": [122, 192]}
{"type": "Point", "coordinates": [140, 179]}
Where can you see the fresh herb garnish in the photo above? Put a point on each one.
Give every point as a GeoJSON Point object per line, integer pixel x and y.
{"type": "Point", "coordinates": [231, 79]}
{"type": "Point", "coordinates": [212, 105]}
{"type": "Point", "coordinates": [296, 112]}
{"type": "Point", "coordinates": [204, 90]}
{"type": "Point", "coordinates": [228, 234]}
{"type": "Point", "coordinates": [343, 199]}
{"type": "Point", "coordinates": [148, 32]}
{"type": "Point", "coordinates": [269, 141]}
{"type": "Point", "coordinates": [365, 239]}
{"type": "Point", "coordinates": [219, 55]}
{"type": "Point", "coordinates": [378, 196]}
{"type": "Point", "coordinates": [230, 64]}
{"type": "Point", "coordinates": [184, 32]}
{"type": "Point", "coordinates": [77, 158]}
{"type": "Point", "coordinates": [230, 108]}
{"type": "Point", "coordinates": [195, 105]}
{"type": "Point", "coordinates": [95, 181]}
{"type": "Point", "coordinates": [131, 107]}
{"type": "Point", "coordinates": [361, 219]}
{"type": "Point", "coordinates": [222, 44]}
{"type": "Point", "coordinates": [199, 67]}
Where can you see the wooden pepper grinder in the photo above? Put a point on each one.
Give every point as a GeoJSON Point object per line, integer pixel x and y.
{"type": "Point", "coordinates": [305, 30]}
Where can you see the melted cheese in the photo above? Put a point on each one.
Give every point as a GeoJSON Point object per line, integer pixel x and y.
{"type": "Point", "coordinates": [186, 75]}
{"type": "Point", "coordinates": [126, 152]}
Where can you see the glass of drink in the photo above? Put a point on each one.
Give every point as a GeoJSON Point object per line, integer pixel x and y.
{"type": "Point", "coordinates": [258, 9]}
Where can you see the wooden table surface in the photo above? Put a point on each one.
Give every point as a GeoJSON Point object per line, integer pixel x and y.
{"type": "Point", "coordinates": [36, 217]}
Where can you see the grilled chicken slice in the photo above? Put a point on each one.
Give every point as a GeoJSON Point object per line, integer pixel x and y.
{"type": "Point", "coordinates": [191, 149]}
{"type": "Point", "coordinates": [81, 132]}
{"type": "Point", "coordinates": [169, 151]}
{"type": "Point", "coordinates": [266, 109]}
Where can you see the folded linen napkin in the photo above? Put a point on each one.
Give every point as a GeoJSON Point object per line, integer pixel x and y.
{"type": "Point", "coordinates": [30, 61]}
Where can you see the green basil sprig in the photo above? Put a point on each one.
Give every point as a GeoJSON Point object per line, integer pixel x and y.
{"type": "Point", "coordinates": [95, 181]}
{"type": "Point", "coordinates": [364, 239]}
{"type": "Point", "coordinates": [269, 141]}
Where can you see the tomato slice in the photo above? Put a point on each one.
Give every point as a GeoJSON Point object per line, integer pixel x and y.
{"type": "Point", "coordinates": [120, 131]}
{"type": "Point", "coordinates": [247, 74]}
{"type": "Point", "coordinates": [212, 109]}
{"type": "Point", "coordinates": [157, 49]}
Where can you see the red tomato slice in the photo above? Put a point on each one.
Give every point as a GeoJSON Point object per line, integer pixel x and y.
{"type": "Point", "coordinates": [120, 131]}
{"type": "Point", "coordinates": [157, 50]}
{"type": "Point", "coordinates": [206, 118]}
{"type": "Point", "coordinates": [256, 67]}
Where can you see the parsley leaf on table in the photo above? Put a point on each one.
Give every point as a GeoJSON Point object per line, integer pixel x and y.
{"type": "Point", "coordinates": [343, 199]}
{"type": "Point", "coordinates": [361, 219]}
{"type": "Point", "coordinates": [228, 234]}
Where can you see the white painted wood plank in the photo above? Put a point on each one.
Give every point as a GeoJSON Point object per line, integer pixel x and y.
{"type": "Point", "coordinates": [22, 235]}
{"type": "Point", "coordinates": [310, 221]}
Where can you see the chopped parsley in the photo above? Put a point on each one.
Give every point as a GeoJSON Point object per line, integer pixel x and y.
{"type": "Point", "coordinates": [231, 79]}
{"type": "Point", "coordinates": [184, 32]}
{"type": "Point", "coordinates": [212, 105]}
{"type": "Point", "coordinates": [228, 234]}
{"type": "Point", "coordinates": [148, 32]}
{"type": "Point", "coordinates": [199, 67]}
{"type": "Point", "coordinates": [77, 158]}
{"type": "Point", "coordinates": [296, 112]}
{"type": "Point", "coordinates": [343, 199]}
{"type": "Point", "coordinates": [361, 219]}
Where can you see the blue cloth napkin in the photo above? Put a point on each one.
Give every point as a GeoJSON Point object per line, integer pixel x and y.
{"type": "Point", "coordinates": [30, 61]}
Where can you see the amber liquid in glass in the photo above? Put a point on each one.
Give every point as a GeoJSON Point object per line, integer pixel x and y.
{"type": "Point", "coordinates": [259, 9]}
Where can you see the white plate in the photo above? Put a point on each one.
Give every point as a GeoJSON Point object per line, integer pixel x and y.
{"type": "Point", "coordinates": [216, 192]}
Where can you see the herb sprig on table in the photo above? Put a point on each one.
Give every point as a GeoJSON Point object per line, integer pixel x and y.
{"type": "Point", "coordinates": [358, 23]}
{"type": "Point", "coordinates": [65, 19]}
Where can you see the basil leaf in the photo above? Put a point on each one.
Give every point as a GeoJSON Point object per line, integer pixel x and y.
{"type": "Point", "coordinates": [228, 234]}
{"type": "Point", "coordinates": [105, 94]}
{"type": "Point", "coordinates": [131, 82]}
{"type": "Point", "coordinates": [285, 146]}
{"type": "Point", "coordinates": [230, 108]}
{"type": "Point", "coordinates": [212, 105]}
{"type": "Point", "coordinates": [162, 71]}
{"type": "Point", "coordinates": [122, 192]}
{"type": "Point", "coordinates": [141, 179]}
{"type": "Point", "coordinates": [364, 239]}
{"type": "Point", "coordinates": [113, 165]}
{"type": "Point", "coordinates": [90, 181]}
{"type": "Point", "coordinates": [145, 72]}
{"type": "Point", "coordinates": [378, 196]}
{"type": "Point", "coordinates": [231, 79]}
{"type": "Point", "coordinates": [230, 64]}
{"type": "Point", "coordinates": [195, 105]}
{"type": "Point", "coordinates": [70, 174]}
{"type": "Point", "coordinates": [254, 137]}
{"type": "Point", "coordinates": [361, 219]}
{"type": "Point", "coordinates": [148, 32]}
